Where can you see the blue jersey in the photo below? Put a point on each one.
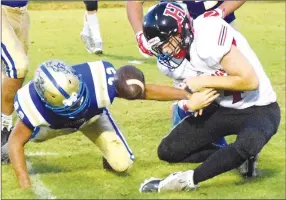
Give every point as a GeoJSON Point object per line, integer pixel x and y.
{"type": "Point", "coordinates": [197, 8]}
{"type": "Point", "coordinates": [14, 3]}
{"type": "Point", "coordinates": [99, 78]}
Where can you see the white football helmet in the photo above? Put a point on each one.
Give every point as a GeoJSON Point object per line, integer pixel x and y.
{"type": "Point", "coordinates": [61, 89]}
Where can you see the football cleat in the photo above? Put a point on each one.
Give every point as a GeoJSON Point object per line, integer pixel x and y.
{"type": "Point", "coordinates": [5, 133]}
{"type": "Point", "coordinates": [150, 185]}
{"type": "Point", "coordinates": [106, 165]}
{"type": "Point", "coordinates": [98, 48]}
{"type": "Point", "coordinates": [91, 45]}
{"type": "Point", "coordinates": [178, 181]}
{"type": "Point", "coordinates": [249, 167]}
{"type": "Point", "coordinates": [4, 155]}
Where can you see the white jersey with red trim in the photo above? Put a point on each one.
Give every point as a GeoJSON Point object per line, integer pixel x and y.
{"type": "Point", "coordinates": [213, 39]}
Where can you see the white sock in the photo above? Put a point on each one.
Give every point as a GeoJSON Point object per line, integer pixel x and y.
{"type": "Point", "coordinates": [6, 121]}
{"type": "Point", "coordinates": [85, 25]}
{"type": "Point", "coordinates": [93, 26]}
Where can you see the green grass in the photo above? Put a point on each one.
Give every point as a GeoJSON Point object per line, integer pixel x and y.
{"type": "Point", "coordinates": [76, 172]}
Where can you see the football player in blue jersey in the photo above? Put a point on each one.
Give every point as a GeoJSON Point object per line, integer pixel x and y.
{"type": "Point", "coordinates": [61, 100]}
{"type": "Point", "coordinates": [14, 56]}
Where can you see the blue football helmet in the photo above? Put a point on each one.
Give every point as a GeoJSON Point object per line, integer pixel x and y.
{"type": "Point", "coordinates": [61, 89]}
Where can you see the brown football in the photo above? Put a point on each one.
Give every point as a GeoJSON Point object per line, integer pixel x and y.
{"type": "Point", "coordinates": [129, 82]}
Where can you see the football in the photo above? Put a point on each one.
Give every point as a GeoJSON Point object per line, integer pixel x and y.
{"type": "Point", "coordinates": [129, 82]}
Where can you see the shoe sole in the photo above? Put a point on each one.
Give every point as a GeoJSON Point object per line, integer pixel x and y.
{"type": "Point", "coordinates": [147, 181]}
{"type": "Point", "coordinates": [98, 52]}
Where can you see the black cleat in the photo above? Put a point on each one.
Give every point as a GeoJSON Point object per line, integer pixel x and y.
{"type": "Point", "coordinates": [248, 168]}
{"type": "Point", "coordinates": [106, 165]}
{"type": "Point", "coordinates": [4, 154]}
{"type": "Point", "coordinates": [5, 158]}
{"type": "Point", "coordinates": [5, 133]}
{"type": "Point", "coordinates": [150, 185]}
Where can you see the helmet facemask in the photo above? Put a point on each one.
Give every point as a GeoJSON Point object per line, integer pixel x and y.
{"type": "Point", "coordinates": [171, 52]}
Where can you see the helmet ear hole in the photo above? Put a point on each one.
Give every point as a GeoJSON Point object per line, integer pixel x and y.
{"type": "Point", "coordinates": [70, 81]}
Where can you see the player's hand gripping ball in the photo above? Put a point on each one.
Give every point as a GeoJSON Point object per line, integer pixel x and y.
{"type": "Point", "coordinates": [129, 82]}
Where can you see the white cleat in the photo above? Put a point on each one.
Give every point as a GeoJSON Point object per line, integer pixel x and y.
{"type": "Point", "coordinates": [98, 48]}
{"type": "Point", "coordinates": [180, 181]}
{"type": "Point", "coordinates": [91, 45]}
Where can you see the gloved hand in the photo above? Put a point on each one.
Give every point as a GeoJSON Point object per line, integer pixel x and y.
{"type": "Point", "coordinates": [142, 44]}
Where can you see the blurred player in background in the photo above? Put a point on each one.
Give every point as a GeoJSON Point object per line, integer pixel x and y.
{"type": "Point", "coordinates": [209, 53]}
{"type": "Point", "coordinates": [14, 56]}
{"type": "Point", "coordinates": [62, 100]}
{"type": "Point", "coordinates": [91, 31]}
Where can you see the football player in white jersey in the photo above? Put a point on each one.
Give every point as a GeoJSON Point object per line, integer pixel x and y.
{"type": "Point", "coordinates": [209, 53]}
{"type": "Point", "coordinates": [224, 9]}
{"type": "Point", "coordinates": [62, 100]}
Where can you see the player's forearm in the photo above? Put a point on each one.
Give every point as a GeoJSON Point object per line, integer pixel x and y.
{"type": "Point", "coordinates": [18, 138]}
{"type": "Point", "coordinates": [230, 6]}
{"type": "Point", "coordinates": [18, 161]}
{"type": "Point", "coordinates": [235, 83]}
{"type": "Point", "coordinates": [164, 93]}
{"type": "Point", "coordinates": [135, 14]}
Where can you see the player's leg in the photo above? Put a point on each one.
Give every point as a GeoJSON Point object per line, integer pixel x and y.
{"type": "Point", "coordinates": [16, 65]}
{"type": "Point", "coordinates": [24, 29]}
{"type": "Point", "coordinates": [42, 134]}
{"type": "Point", "coordinates": [178, 114]}
{"type": "Point", "coordinates": [255, 127]}
{"type": "Point", "coordinates": [91, 30]}
{"type": "Point", "coordinates": [252, 137]}
{"type": "Point", "coordinates": [192, 136]}
{"type": "Point", "coordinates": [103, 132]}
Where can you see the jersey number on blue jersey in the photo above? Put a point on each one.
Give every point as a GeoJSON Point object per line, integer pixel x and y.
{"type": "Point", "coordinates": [110, 71]}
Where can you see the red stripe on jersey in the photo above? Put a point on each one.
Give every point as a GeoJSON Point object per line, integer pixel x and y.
{"type": "Point", "coordinates": [234, 42]}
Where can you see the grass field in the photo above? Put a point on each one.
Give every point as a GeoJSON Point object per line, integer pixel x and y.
{"type": "Point", "coordinates": [69, 167]}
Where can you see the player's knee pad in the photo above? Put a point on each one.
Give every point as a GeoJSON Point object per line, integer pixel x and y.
{"type": "Point", "coordinates": [16, 67]}
{"type": "Point", "coordinates": [251, 144]}
{"type": "Point", "coordinates": [91, 5]}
